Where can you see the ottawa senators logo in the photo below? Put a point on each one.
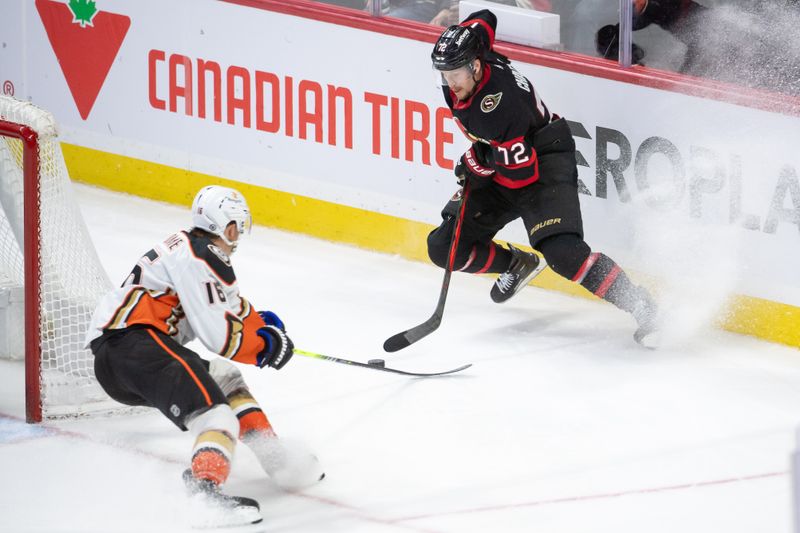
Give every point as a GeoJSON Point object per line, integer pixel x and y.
{"type": "Point", "coordinates": [490, 102]}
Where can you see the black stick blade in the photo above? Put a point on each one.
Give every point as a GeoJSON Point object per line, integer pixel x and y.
{"type": "Point", "coordinates": [409, 337]}
{"type": "Point", "coordinates": [396, 342]}
{"type": "Point", "coordinates": [380, 364]}
{"type": "Point", "coordinates": [426, 374]}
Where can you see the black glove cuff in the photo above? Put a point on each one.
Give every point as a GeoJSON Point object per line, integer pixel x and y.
{"type": "Point", "coordinates": [475, 167]}
{"type": "Point", "coordinates": [278, 350]}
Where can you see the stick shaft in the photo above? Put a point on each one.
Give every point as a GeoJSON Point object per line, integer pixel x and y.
{"type": "Point", "coordinates": [380, 368]}
{"type": "Point", "coordinates": [410, 336]}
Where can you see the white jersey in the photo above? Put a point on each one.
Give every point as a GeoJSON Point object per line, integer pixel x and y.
{"type": "Point", "coordinates": [185, 287]}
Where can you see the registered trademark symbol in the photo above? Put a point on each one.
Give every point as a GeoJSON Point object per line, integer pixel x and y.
{"type": "Point", "coordinates": [8, 88]}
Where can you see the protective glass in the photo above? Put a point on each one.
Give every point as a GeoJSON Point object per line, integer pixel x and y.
{"type": "Point", "coordinates": [457, 77]}
{"type": "Point", "coordinates": [246, 225]}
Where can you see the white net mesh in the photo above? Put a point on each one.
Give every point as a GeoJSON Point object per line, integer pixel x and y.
{"type": "Point", "coordinates": [71, 277]}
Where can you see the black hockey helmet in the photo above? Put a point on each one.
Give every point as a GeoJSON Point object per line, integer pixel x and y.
{"type": "Point", "coordinates": [456, 47]}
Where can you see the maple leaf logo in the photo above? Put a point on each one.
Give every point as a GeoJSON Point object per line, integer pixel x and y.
{"type": "Point", "coordinates": [83, 11]}
{"type": "Point", "coordinates": [85, 53]}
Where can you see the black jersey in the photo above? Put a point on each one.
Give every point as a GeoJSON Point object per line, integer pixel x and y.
{"type": "Point", "coordinates": [503, 113]}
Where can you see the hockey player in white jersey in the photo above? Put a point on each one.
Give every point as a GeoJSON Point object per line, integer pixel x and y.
{"type": "Point", "coordinates": [185, 288]}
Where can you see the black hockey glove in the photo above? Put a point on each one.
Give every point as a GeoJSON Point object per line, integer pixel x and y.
{"type": "Point", "coordinates": [470, 167]}
{"type": "Point", "coordinates": [278, 347]}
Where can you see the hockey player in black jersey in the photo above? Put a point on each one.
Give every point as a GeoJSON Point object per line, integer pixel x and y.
{"type": "Point", "coordinates": [521, 165]}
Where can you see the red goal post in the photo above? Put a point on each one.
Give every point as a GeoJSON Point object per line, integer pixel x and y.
{"type": "Point", "coordinates": [47, 256]}
{"type": "Point", "coordinates": [30, 143]}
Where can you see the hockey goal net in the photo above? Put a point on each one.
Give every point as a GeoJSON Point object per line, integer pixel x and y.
{"type": "Point", "coordinates": [50, 276]}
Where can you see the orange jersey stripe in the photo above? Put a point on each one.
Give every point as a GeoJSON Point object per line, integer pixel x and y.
{"type": "Point", "coordinates": [143, 307]}
{"type": "Point", "coordinates": [251, 344]}
{"type": "Point", "coordinates": [157, 312]}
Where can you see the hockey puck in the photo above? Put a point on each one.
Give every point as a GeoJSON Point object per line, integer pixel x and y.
{"type": "Point", "coordinates": [376, 362]}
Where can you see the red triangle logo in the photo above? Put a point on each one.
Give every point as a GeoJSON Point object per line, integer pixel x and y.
{"type": "Point", "coordinates": [85, 52]}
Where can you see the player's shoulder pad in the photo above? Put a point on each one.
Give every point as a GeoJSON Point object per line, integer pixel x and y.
{"type": "Point", "coordinates": [217, 260]}
{"type": "Point", "coordinates": [486, 22]}
{"type": "Point", "coordinates": [494, 106]}
{"type": "Point", "coordinates": [506, 96]}
{"type": "Point", "coordinates": [508, 80]}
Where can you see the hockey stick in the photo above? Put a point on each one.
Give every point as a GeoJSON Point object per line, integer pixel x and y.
{"type": "Point", "coordinates": [410, 336]}
{"type": "Point", "coordinates": [378, 364]}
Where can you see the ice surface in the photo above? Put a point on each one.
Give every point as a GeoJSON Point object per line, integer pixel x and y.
{"type": "Point", "coordinates": [563, 425]}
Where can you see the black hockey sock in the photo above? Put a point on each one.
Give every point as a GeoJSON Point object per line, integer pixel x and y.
{"type": "Point", "coordinates": [486, 259]}
{"type": "Point", "coordinates": [601, 276]}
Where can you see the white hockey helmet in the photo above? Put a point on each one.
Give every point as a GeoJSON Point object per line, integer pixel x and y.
{"type": "Point", "coordinates": [215, 207]}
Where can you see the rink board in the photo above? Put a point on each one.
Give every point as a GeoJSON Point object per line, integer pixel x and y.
{"type": "Point", "coordinates": [743, 314]}
{"type": "Point", "coordinates": [332, 125]}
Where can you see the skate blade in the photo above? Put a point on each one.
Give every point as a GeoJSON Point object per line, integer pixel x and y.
{"type": "Point", "coordinates": [258, 527]}
{"type": "Point", "coordinates": [250, 522]}
{"type": "Point", "coordinates": [302, 472]}
{"type": "Point", "coordinates": [651, 341]}
{"type": "Point", "coordinates": [288, 464]}
{"type": "Point", "coordinates": [206, 513]}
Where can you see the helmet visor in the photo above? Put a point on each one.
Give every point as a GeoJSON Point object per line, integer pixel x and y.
{"type": "Point", "coordinates": [455, 78]}
{"type": "Point", "coordinates": [245, 225]}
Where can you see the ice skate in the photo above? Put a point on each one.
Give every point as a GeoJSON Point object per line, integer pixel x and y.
{"type": "Point", "coordinates": [648, 334]}
{"type": "Point", "coordinates": [288, 465]}
{"type": "Point", "coordinates": [523, 268]}
{"type": "Point", "coordinates": [210, 508]}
